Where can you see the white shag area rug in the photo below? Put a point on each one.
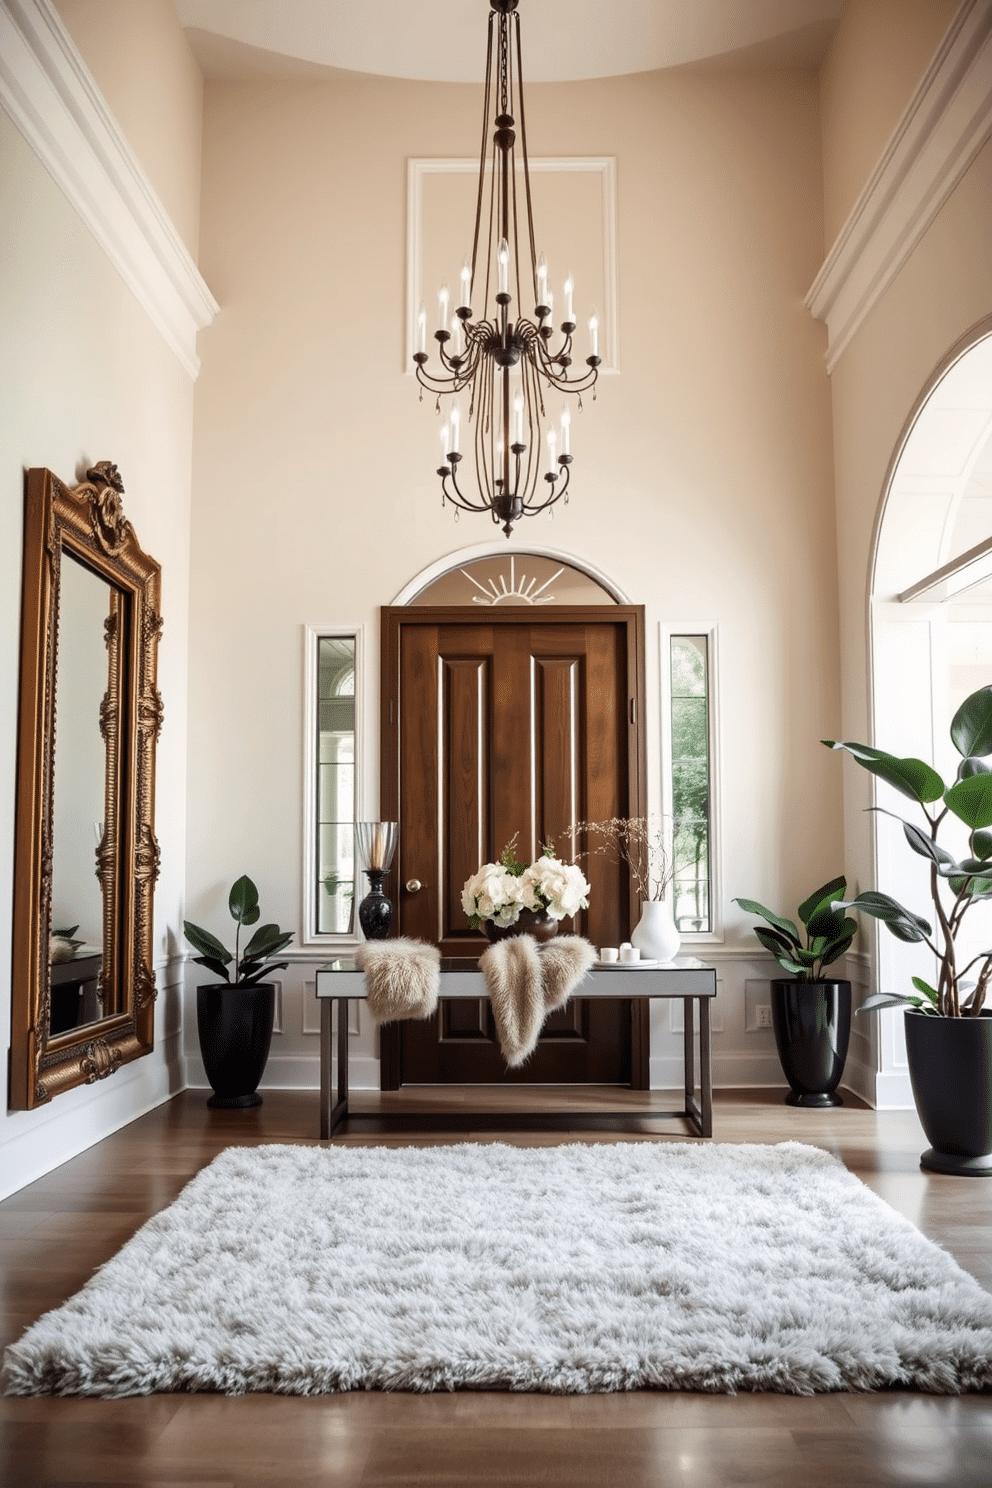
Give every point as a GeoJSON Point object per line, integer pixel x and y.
{"type": "Point", "coordinates": [568, 1269]}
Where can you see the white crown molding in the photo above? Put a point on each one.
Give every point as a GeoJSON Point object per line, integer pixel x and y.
{"type": "Point", "coordinates": [54, 101]}
{"type": "Point", "coordinates": [945, 124]}
{"type": "Point", "coordinates": [605, 167]}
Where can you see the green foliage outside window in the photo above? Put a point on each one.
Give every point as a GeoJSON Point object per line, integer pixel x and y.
{"type": "Point", "coordinates": [690, 781]}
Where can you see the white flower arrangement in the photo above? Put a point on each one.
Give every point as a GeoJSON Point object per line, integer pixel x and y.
{"type": "Point", "coordinates": [499, 891]}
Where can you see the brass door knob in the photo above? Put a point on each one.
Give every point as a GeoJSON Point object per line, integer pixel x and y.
{"type": "Point", "coordinates": [413, 886]}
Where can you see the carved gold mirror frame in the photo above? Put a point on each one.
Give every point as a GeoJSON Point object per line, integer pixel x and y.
{"type": "Point", "coordinates": [87, 526]}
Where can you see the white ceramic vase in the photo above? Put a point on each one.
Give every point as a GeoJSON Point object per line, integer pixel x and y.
{"type": "Point", "coordinates": [655, 935]}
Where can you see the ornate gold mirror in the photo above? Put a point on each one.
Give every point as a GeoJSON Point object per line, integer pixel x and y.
{"type": "Point", "coordinates": [86, 858]}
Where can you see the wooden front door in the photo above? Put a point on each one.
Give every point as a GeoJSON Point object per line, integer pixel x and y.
{"type": "Point", "coordinates": [500, 722]}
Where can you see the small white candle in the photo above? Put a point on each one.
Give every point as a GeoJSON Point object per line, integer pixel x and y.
{"type": "Point", "coordinates": [569, 287]}
{"type": "Point", "coordinates": [445, 443]}
{"type": "Point", "coordinates": [442, 300]}
{"type": "Point", "coordinates": [518, 419]}
{"type": "Point", "coordinates": [566, 429]}
{"type": "Point", "coordinates": [457, 332]}
{"type": "Point", "coordinates": [550, 302]}
{"type": "Point", "coordinates": [466, 277]}
{"type": "Point", "coordinates": [421, 328]}
{"type": "Point", "coordinates": [542, 280]}
{"type": "Point", "coordinates": [504, 265]}
{"type": "Point", "coordinates": [456, 417]}
{"type": "Point", "coordinates": [594, 332]}
{"type": "Point", "coordinates": [552, 452]}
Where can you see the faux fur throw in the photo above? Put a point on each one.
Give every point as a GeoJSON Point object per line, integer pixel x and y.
{"type": "Point", "coordinates": [525, 982]}
{"type": "Point", "coordinates": [402, 978]}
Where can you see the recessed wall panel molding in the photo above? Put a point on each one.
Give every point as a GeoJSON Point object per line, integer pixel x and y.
{"type": "Point", "coordinates": [54, 101]}
{"type": "Point", "coordinates": [575, 204]}
{"type": "Point", "coordinates": [945, 124]}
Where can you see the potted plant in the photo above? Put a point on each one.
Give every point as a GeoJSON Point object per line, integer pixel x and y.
{"type": "Point", "coordinates": [234, 1017]}
{"type": "Point", "coordinates": [641, 845]}
{"type": "Point", "coordinates": [811, 1013]}
{"type": "Point", "coordinates": [509, 897]}
{"type": "Point", "coordinates": [948, 1028]}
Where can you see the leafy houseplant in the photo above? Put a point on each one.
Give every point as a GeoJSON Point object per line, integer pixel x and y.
{"type": "Point", "coordinates": [251, 964]}
{"type": "Point", "coordinates": [811, 1013]}
{"type": "Point", "coordinates": [235, 1017]}
{"type": "Point", "coordinates": [828, 934]}
{"type": "Point", "coordinates": [948, 1031]}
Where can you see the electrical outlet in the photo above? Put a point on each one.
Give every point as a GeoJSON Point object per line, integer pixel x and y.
{"type": "Point", "coordinates": [764, 1015]}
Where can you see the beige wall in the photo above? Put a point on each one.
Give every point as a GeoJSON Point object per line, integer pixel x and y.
{"type": "Point", "coordinates": [142, 63]}
{"type": "Point", "coordinates": [85, 376]}
{"type": "Point", "coordinates": [943, 290]}
{"type": "Point", "coordinates": [876, 59]}
{"type": "Point", "coordinates": [702, 477]}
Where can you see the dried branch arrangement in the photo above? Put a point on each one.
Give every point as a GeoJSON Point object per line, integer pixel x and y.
{"type": "Point", "coordinates": [638, 842]}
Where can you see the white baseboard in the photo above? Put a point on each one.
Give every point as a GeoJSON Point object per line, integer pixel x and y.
{"type": "Point", "coordinates": [894, 1092]}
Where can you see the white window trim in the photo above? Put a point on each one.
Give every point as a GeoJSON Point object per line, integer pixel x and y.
{"type": "Point", "coordinates": [711, 630]}
{"type": "Point", "coordinates": [334, 942]}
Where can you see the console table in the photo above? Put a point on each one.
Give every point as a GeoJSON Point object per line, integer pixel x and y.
{"type": "Point", "coordinates": [342, 981]}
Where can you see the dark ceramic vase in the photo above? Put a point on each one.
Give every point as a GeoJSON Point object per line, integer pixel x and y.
{"type": "Point", "coordinates": [375, 913]}
{"type": "Point", "coordinates": [950, 1065]}
{"type": "Point", "coordinates": [537, 923]}
{"type": "Point", "coordinates": [235, 1028]}
{"type": "Point", "coordinates": [812, 1023]}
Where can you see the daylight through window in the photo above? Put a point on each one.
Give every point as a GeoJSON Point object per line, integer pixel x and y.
{"type": "Point", "coordinates": [691, 830]}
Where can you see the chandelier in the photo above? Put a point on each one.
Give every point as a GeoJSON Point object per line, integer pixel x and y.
{"type": "Point", "coordinates": [507, 366]}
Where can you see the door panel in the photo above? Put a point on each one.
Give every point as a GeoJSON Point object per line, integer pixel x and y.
{"type": "Point", "coordinates": [497, 725]}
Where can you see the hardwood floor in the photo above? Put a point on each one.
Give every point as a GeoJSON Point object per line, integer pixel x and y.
{"type": "Point", "coordinates": [55, 1232]}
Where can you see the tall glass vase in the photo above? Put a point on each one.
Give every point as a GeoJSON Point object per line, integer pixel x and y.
{"type": "Point", "coordinates": [655, 935]}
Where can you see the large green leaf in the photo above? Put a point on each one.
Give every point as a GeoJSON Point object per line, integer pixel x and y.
{"type": "Point", "coordinates": [971, 726]}
{"type": "Point", "coordinates": [971, 800]}
{"type": "Point", "coordinates": [839, 946]}
{"type": "Point", "coordinates": [972, 767]}
{"type": "Point", "coordinates": [930, 993]}
{"type": "Point", "coordinates": [919, 841]}
{"type": "Point", "coordinates": [901, 921]}
{"type": "Point", "coordinates": [255, 975]}
{"type": "Point", "coordinates": [267, 940]}
{"type": "Point", "coordinates": [212, 964]}
{"type": "Point", "coordinates": [781, 948]}
{"type": "Point", "coordinates": [913, 777]}
{"type": "Point", "coordinates": [835, 889]}
{"type": "Point", "coordinates": [786, 926]}
{"type": "Point", "coordinates": [978, 888]}
{"type": "Point", "coordinates": [205, 943]}
{"type": "Point", "coordinates": [893, 999]}
{"type": "Point", "coordinates": [243, 902]}
{"type": "Point", "coordinates": [981, 844]}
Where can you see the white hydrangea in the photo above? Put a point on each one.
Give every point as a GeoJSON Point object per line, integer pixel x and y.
{"type": "Point", "coordinates": [498, 895]}
{"type": "Point", "coordinates": [562, 887]}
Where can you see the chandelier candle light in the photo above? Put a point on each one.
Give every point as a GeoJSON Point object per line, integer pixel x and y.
{"type": "Point", "coordinates": [506, 366]}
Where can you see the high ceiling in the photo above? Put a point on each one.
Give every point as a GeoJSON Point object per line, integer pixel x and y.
{"type": "Point", "coordinates": [444, 40]}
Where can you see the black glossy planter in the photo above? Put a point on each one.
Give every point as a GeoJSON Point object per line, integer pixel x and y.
{"type": "Point", "coordinates": [235, 1028]}
{"type": "Point", "coordinates": [950, 1065]}
{"type": "Point", "coordinates": [812, 1022]}
{"type": "Point", "coordinates": [375, 913]}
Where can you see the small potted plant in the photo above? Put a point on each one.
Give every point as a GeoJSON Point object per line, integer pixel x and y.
{"type": "Point", "coordinates": [811, 1013]}
{"type": "Point", "coordinates": [234, 1017]}
{"type": "Point", "coordinates": [948, 1027]}
{"type": "Point", "coordinates": [509, 897]}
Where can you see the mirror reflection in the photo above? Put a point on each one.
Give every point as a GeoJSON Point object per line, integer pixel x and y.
{"type": "Point", "coordinates": [76, 944]}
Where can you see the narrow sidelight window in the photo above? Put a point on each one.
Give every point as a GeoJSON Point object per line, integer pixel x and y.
{"type": "Point", "coordinates": [335, 786]}
{"type": "Point", "coordinates": [691, 824]}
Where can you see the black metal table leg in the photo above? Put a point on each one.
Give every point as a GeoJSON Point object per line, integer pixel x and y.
{"type": "Point", "coordinates": [333, 1106]}
{"type": "Point", "coordinates": [705, 1068]}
